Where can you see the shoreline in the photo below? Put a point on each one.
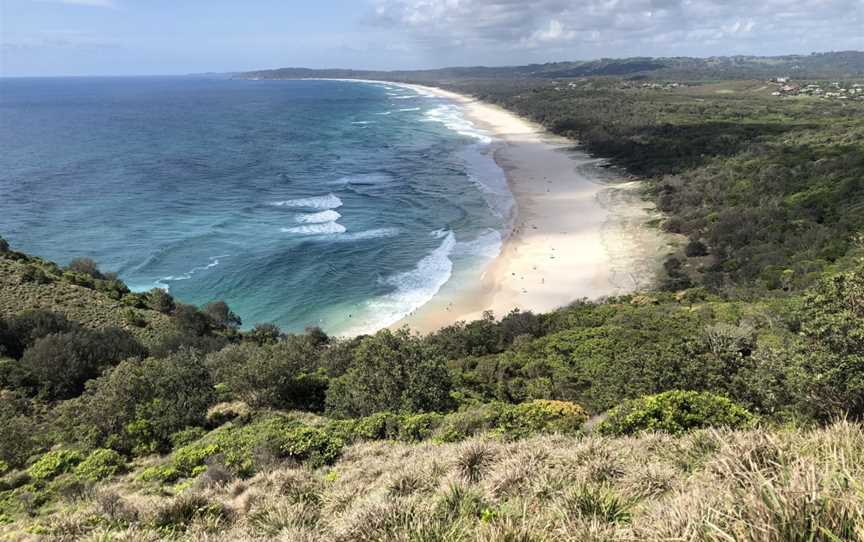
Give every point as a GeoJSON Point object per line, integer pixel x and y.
{"type": "Point", "coordinates": [578, 230]}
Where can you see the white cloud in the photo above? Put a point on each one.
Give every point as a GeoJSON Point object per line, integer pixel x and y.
{"type": "Point", "coordinates": [642, 27]}
{"type": "Point", "coordinates": [554, 33]}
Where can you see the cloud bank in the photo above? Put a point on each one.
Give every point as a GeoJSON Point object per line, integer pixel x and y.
{"type": "Point", "coordinates": [649, 27]}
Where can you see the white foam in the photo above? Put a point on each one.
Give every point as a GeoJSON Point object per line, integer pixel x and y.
{"type": "Point", "coordinates": [487, 245]}
{"type": "Point", "coordinates": [163, 282]}
{"type": "Point", "coordinates": [409, 109]}
{"type": "Point", "coordinates": [413, 288]}
{"type": "Point", "coordinates": [451, 117]}
{"type": "Point", "coordinates": [330, 201]}
{"type": "Point", "coordinates": [318, 218]}
{"type": "Point", "coordinates": [379, 233]}
{"type": "Point", "coordinates": [363, 122]}
{"type": "Point", "coordinates": [328, 228]}
{"type": "Point", "coordinates": [384, 113]}
{"type": "Point", "coordinates": [490, 179]}
{"type": "Point", "coordinates": [365, 179]}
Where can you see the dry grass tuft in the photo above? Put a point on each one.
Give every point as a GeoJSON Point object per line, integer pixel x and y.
{"type": "Point", "coordinates": [474, 458]}
{"type": "Point", "coordinates": [754, 485]}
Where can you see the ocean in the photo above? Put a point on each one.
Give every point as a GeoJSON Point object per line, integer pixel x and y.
{"type": "Point", "coordinates": [344, 205]}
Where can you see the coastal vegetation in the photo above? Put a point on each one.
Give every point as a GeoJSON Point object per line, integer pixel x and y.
{"type": "Point", "coordinates": [725, 405]}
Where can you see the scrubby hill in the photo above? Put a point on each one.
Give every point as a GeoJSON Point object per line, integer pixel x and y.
{"type": "Point", "coordinates": [836, 65]}
{"type": "Point", "coordinates": [30, 283]}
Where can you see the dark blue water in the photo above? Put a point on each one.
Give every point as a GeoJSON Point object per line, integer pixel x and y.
{"type": "Point", "coordinates": [338, 204]}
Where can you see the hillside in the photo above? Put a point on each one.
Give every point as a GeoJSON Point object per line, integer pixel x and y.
{"type": "Point", "coordinates": [726, 405]}
{"type": "Point", "coordinates": [711, 485]}
{"type": "Point", "coordinates": [837, 65]}
{"type": "Point", "coordinates": [33, 284]}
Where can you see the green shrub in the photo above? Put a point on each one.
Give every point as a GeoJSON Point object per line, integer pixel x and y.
{"type": "Point", "coordinates": [32, 273]}
{"type": "Point", "coordinates": [139, 404]}
{"type": "Point", "coordinates": [378, 426]}
{"type": "Point", "coordinates": [133, 318]}
{"type": "Point", "coordinates": [187, 459]}
{"type": "Point", "coordinates": [313, 446]}
{"type": "Point", "coordinates": [244, 450]}
{"type": "Point", "coordinates": [62, 363]}
{"type": "Point", "coordinates": [470, 421]}
{"type": "Point", "coordinates": [186, 436]}
{"type": "Point", "coordinates": [54, 463]}
{"type": "Point", "coordinates": [417, 427]}
{"type": "Point", "coordinates": [695, 248]}
{"type": "Point", "coordinates": [19, 429]}
{"type": "Point", "coordinates": [542, 416]}
{"type": "Point", "coordinates": [160, 473]}
{"type": "Point", "coordinates": [159, 300]}
{"type": "Point", "coordinates": [27, 327]}
{"type": "Point", "coordinates": [85, 266]}
{"type": "Point", "coordinates": [99, 465]}
{"type": "Point", "coordinates": [393, 371]}
{"type": "Point", "coordinates": [675, 412]}
{"type": "Point", "coordinates": [221, 314]}
{"type": "Point", "coordinates": [281, 375]}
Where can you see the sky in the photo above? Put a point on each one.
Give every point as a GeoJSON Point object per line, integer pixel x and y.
{"type": "Point", "coordinates": [150, 37]}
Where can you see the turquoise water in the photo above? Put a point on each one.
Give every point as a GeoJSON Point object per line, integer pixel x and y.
{"type": "Point", "coordinates": [340, 204]}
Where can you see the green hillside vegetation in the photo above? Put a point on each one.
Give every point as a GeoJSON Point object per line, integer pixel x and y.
{"type": "Point", "coordinates": [833, 65]}
{"type": "Point", "coordinates": [725, 405]}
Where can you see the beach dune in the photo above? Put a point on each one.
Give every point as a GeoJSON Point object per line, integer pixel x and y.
{"type": "Point", "coordinates": [579, 230]}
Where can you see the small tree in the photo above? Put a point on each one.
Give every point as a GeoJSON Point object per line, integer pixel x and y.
{"type": "Point", "coordinates": [221, 315]}
{"type": "Point", "coordinates": [282, 375]}
{"type": "Point", "coordinates": [190, 321]}
{"type": "Point", "coordinates": [263, 334]}
{"type": "Point", "coordinates": [161, 301]}
{"type": "Point", "coordinates": [4, 245]}
{"type": "Point", "coordinates": [85, 266]}
{"type": "Point", "coordinates": [140, 404]}
{"type": "Point", "coordinates": [61, 363]}
{"type": "Point", "coordinates": [391, 371]}
{"type": "Point", "coordinates": [695, 248]}
{"type": "Point", "coordinates": [25, 328]}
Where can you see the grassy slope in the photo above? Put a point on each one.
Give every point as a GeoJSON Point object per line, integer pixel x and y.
{"type": "Point", "coordinates": [92, 308]}
{"type": "Point", "coordinates": [710, 485]}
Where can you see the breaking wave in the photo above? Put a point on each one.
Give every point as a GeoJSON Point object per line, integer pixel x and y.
{"type": "Point", "coordinates": [330, 201]}
{"type": "Point", "coordinates": [329, 228]}
{"type": "Point", "coordinates": [318, 218]}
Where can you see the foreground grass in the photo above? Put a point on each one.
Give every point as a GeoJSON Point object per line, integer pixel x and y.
{"type": "Point", "coordinates": [755, 485]}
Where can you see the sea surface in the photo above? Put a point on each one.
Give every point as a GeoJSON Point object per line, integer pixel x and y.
{"type": "Point", "coordinates": [340, 204]}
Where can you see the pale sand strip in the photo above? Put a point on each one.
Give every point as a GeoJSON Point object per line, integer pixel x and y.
{"type": "Point", "coordinates": [579, 232]}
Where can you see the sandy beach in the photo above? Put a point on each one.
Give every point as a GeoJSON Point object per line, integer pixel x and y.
{"type": "Point", "coordinates": [580, 230]}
